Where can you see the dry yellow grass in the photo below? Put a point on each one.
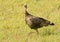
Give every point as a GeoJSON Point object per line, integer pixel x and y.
{"type": "Point", "coordinates": [13, 27]}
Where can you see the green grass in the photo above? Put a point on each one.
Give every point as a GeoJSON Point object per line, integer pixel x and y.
{"type": "Point", "coordinates": [13, 27]}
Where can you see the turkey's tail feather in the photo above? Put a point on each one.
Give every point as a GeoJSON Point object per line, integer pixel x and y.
{"type": "Point", "coordinates": [51, 23]}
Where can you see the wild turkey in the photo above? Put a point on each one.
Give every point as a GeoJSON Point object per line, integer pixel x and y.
{"type": "Point", "coordinates": [35, 22]}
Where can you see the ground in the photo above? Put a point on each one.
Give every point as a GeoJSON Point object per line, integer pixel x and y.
{"type": "Point", "coordinates": [13, 27]}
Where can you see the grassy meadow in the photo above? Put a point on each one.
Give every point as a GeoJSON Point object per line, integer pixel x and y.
{"type": "Point", "coordinates": [12, 20]}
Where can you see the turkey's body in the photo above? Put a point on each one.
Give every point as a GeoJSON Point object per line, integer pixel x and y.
{"type": "Point", "coordinates": [36, 22]}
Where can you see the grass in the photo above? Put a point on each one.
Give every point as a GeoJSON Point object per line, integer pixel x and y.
{"type": "Point", "coordinates": [13, 27]}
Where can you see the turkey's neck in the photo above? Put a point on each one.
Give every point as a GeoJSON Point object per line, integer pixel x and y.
{"type": "Point", "coordinates": [26, 11]}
